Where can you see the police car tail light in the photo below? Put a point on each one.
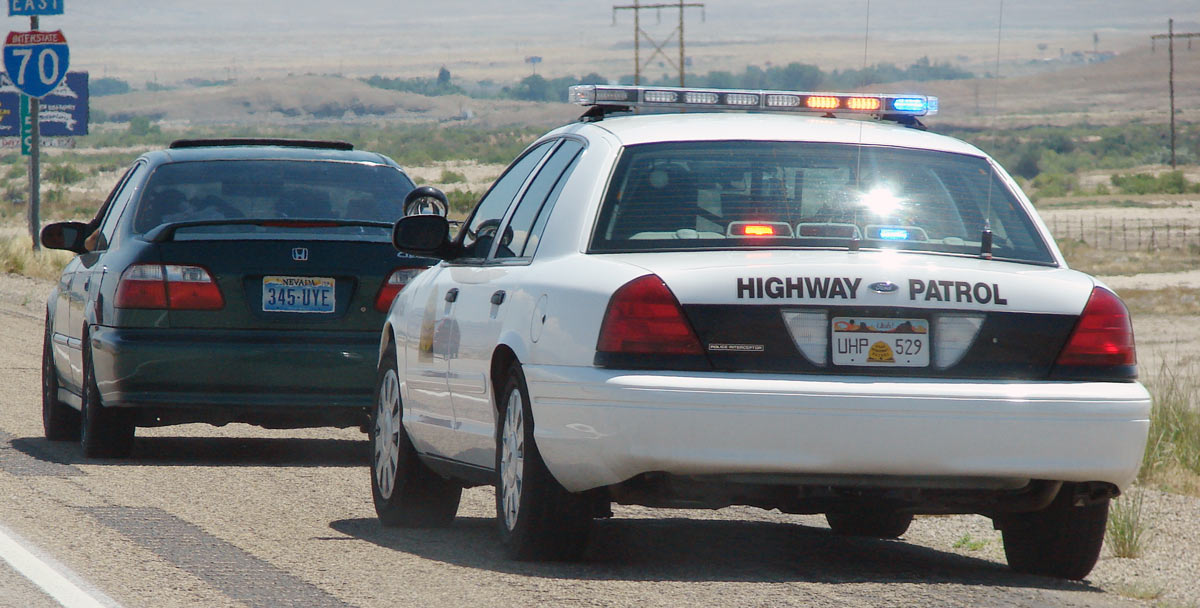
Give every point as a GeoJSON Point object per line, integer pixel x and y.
{"type": "Point", "coordinates": [810, 333]}
{"type": "Point", "coordinates": [173, 286]}
{"type": "Point", "coordinates": [953, 335]}
{"type": "Point", "coordinates": [1103, 335]}
{"type": "Point", "coordinates": [392, 286]}
{"type": "Point", "coordinates": [643, 317]}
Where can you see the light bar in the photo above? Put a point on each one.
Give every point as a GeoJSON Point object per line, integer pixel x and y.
{"type": "Point", "coordinates": [760, 100]}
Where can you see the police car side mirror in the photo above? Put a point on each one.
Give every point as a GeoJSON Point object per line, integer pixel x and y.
{"type": "Point", "coordinates": [426, 200]}
{"type": "Point", "coordinates": [65, 235]}
{"type": "Point", "coordinates": [423, 235]}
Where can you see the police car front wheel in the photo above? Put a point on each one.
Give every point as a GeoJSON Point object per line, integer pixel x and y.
{"type": "Point", "coordinates": [406, 492]}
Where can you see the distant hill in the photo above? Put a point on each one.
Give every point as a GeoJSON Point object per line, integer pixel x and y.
{"type": "Point", "coordinates": [319, 98]}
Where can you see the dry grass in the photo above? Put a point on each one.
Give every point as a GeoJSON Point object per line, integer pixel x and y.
{"type": "Point", "coordinates": [1172, 457]}
{"type": "Point", "coordinates": [1105, 261]}
{"type": "Point", "coordinates": [17, 257]}
{"type": "Point", "coordinates": [1168, 301]}
{"type": "Point", "coordinates": [1126, 533]}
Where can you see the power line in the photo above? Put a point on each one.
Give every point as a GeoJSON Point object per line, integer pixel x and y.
{"type": "Point", "coordinates": [638, 33]}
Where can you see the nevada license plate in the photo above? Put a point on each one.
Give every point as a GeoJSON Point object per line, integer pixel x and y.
{"type": "Point", "coordinates": [298, 294]}
{"type": "Point", "coordinates": [880, 342]}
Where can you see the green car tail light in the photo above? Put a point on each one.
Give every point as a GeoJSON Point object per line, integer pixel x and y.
{"type": "Point", "coordinates": [170, 286]}
{"type": "Point", "coordinates": [392, 286]}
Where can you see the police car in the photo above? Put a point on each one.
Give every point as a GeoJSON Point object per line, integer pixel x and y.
{"type": "Point", "coordinates": [785, 308]}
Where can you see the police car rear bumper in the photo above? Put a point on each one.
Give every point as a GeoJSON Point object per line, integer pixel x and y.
{"type": "Point", "coordinates": [597, 427]}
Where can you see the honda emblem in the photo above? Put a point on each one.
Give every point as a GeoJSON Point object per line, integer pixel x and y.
{"type": "Point", "coordinates": [300, 254]}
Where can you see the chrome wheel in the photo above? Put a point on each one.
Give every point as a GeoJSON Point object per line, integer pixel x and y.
{"type": "Point", "coordinates": [512, 458]}
{"type": "Point", "coordinates": [387, 433]}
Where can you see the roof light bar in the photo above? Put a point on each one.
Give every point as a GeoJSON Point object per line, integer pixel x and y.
{"type": "Point", "coordinates": [729, 99]}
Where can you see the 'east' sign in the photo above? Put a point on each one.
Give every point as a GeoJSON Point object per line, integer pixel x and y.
{"type": "Point", "coordinates": [33, 8]}
{"type": "Point", "coordinates": [36, 61]}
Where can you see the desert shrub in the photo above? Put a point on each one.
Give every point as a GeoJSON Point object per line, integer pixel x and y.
{"type": "Point", "coordinates": [451, 177]}
{"type": "Point", "coordinates": [1170, 182]}
{"type": "Point", "coordinates": [462, 201]}
{"type": "Point", "coordinates": [1054, 184]}
{"type": "Point", "coordinates": [63, 174]}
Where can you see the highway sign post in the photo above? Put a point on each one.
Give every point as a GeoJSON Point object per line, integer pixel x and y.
{"type": "Point", "coordinates": [36, 62]}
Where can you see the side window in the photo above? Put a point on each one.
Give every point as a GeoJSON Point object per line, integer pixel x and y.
{"type": "Point", "coordinates": [534, 200]}
{"type": "Point", "coordinates": [117, 204]}
{"type": "Point", "coordinates": [478, 234]}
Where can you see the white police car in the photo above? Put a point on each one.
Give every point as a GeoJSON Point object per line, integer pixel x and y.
{"type": "Point", "coordinates": [803, 313]}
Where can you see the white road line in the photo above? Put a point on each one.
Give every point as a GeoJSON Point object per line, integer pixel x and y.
{"type": "Point", "coordinates": [53, 578]}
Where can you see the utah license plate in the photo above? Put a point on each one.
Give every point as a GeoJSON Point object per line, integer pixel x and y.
{"type": "Point", "coordinates": [880, 342]}
{"type": "Point", "coordinates": [298, 294]}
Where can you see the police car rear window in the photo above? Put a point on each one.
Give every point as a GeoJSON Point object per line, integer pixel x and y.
{"type": "Point", "coordinates": [751, 194]}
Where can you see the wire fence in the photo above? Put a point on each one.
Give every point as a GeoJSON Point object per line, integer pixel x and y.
{"type": "Point", "coordinates": [1127, 234]}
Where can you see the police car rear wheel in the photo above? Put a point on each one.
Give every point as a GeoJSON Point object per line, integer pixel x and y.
{"type": "Point", "coordinates": [405, 491]}
{"type": "Point", "coordinates": [538, 518]}
{"type": "Point", "coordinates": [1061, 541]}
{"type": "Point", "coordinates": [870, 523]}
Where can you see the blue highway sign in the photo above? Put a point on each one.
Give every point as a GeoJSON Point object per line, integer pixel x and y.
{"type": "Point", "coordinates": [63, 112]}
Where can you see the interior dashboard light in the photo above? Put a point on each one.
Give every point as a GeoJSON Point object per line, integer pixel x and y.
{"type": "Point", "coordinates": [700, 97]}
{"type": "Point", "coordinates": [822, 102]}
{"type": "Point", "coordinates": [660, 96]}
{"type": "Point", "coordinates": [863, 103]}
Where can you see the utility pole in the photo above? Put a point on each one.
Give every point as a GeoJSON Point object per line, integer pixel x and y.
{"type": "Point", "coordinates": [1171, 36]}
{"type": "Point", "coordinates": [638, 33]}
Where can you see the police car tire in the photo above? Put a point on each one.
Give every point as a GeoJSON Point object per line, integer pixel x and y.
{"type": "Point", "coordinates": [869, 523]}
{"type": "Point", "coordinates": [1060, 541]}
{"type": "Point", "coordinates": [551, 524]}
{"type": "Point", "coordinates": [419, 497]}
{"type": "Point", "coordinates": [105, 432]}
{"type": "Point", "coordinates": [59, 420]}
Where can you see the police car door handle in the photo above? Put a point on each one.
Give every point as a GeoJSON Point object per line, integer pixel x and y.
{"type": "Point", "coordinates": [452, 295]}
{"type": "Point", "coordinates": [498, 297]}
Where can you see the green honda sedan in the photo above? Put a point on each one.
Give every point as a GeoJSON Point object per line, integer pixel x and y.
{"type": "Point", "coordinates": [235, 280]}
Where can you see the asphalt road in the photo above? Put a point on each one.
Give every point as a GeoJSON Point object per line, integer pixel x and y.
{"type": "Point", "coordinates": [239, 516]}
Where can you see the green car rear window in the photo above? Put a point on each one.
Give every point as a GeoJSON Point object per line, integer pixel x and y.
{"type": "Point", "coordinates": [270, 189]}
{"type": "Point", "coordinates": [752, 194]}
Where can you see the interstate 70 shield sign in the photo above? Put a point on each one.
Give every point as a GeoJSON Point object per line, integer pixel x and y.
{"type": "Point", "coordinates": [36, 61]}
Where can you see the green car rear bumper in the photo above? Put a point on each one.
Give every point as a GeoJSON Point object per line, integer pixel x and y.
{"type": "Point", "coordinates": [276, 379]}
